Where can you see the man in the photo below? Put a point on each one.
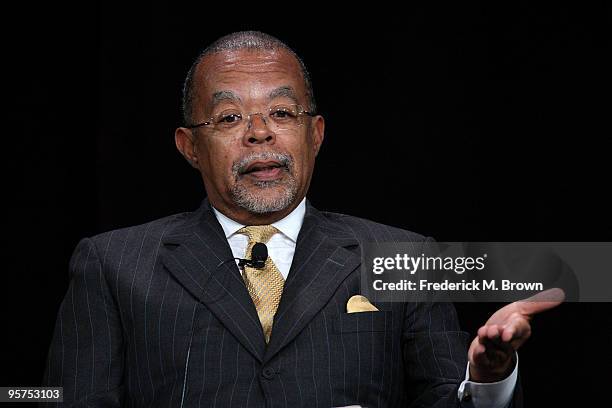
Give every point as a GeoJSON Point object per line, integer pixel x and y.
{"type": "Point", "coordinates": [160, 315]}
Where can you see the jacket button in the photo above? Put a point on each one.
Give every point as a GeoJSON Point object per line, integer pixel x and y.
{"type": "Point", "coordinates": [268, 373]}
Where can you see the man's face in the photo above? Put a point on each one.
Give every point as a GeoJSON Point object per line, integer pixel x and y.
{"type": "Point", "coordinates": [257, 168]}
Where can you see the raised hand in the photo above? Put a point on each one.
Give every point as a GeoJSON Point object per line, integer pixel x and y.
{"type": "Point", "coordinates": [491, 352]}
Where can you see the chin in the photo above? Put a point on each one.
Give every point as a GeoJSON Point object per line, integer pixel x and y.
{"type": "Point", "coordinates": [264, 198]}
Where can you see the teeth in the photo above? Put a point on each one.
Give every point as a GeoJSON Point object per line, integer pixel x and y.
{"type": "Point", "coordinates": [257, 168]}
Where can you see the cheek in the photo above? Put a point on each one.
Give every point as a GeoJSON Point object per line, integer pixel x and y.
{"type": "Point", "coordinates": [218, 160]}
{"type": "Point", "coordinates": [304, 158]}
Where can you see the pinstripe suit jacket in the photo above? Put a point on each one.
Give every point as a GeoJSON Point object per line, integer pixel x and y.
{"type": "Point", "coordinates": [151, 319]}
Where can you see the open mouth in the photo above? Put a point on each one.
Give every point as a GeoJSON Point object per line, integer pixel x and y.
{"type": "Point", "coordinates": [265, 170]}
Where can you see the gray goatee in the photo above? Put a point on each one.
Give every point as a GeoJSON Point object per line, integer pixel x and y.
{"type": "Point", "coordinates": [264, 200]}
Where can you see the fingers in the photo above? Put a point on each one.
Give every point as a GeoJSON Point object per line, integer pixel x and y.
{"type": "Point", "coordinates": [490, 356]}
{"type": "Point", "coordinates": [492, 350]}
{"type": "Point", "coordinates": [492, 338]}
{"type": "Point", "coordinates": [510, 335]}
{"type": "Point", "coordinates": [506, 330]}
{"type": "Point", "coordinates": [516, 330]}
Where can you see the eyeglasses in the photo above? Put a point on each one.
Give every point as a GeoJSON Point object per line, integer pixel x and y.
{"type": "Point", "coordinates": [285, 117]}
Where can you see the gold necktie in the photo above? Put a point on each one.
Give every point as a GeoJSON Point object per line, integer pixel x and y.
{"type": "Point", "coordinates": [264, 285]}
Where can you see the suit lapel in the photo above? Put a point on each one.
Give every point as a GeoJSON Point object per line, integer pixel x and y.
{"type": "Point", "coordinates": [320, 264]}
{"type": "Point", "coordinates": [192, 253]}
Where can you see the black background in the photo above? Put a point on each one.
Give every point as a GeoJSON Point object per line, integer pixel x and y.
{"type": "Point", "coordinates": [458, 122]}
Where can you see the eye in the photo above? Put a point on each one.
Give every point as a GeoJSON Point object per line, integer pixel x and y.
{"type": "Point", "coordinates": [229, 118]}
{"type": "Point", "coordinates": [283, 112]}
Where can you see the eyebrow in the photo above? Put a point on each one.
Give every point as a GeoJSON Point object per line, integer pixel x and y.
{"type": "Point", "coordinates": [220, 96]}
{"type": "Point", "coordinates": [284, 91]}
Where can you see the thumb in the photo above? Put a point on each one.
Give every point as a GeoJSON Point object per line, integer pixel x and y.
{"type": "Point", "coordinates": [542, 301]}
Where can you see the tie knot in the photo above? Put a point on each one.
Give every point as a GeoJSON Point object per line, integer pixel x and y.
{"type": "Point", "coordinates": [258, 233]}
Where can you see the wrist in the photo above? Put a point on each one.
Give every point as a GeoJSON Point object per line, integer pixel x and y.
{"type": "Point", "coordinates": [492, 374]}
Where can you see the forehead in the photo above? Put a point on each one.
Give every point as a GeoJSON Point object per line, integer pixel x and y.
{"type": "Point", "coordinates": [249, 74]}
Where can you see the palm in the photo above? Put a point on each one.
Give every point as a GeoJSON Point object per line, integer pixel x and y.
{"type": "Point", "coordinates": [491, 352]}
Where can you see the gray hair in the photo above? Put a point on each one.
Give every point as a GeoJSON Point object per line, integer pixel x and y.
{"type": "Point", "coordinates": [255, 40]}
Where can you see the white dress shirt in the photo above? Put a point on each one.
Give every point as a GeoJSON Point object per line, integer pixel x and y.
{"type": "Point", "coordinates": [281, 248]}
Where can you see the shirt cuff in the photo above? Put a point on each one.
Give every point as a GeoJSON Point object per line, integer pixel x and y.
{"type": "Point", "coordinates": [491, 395]}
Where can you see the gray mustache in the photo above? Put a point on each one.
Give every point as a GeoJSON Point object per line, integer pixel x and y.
{"type": "Point", "coordinates": [240, 166]}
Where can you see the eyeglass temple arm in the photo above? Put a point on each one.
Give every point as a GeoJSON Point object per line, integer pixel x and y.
{"type": "Point", "coordinates": [197, 125]}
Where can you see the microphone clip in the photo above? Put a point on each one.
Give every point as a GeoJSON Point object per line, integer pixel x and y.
{"type": "Point", "coordinates": [251, 263]}
{"type": "Point", "coordinates": [259, 255]}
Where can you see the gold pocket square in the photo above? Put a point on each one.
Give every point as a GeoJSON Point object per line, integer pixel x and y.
{"type": "Point", "coordinates": [359, 303]}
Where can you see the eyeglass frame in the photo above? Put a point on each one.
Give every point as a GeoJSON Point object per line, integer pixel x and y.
{"type": "Point", "coordinates": [209, 121]}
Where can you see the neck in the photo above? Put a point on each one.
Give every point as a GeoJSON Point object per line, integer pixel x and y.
{"type": "Point", "coordinates": [242, 216]}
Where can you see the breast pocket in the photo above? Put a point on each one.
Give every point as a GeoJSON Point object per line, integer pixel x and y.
{"type": "Point", "coordinates": [380, 321]}
{"type": "Point", "coordinates": [362, 353]}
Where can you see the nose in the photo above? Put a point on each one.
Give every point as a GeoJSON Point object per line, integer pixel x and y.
{"type": "Point", "coordinates": [258, 131]}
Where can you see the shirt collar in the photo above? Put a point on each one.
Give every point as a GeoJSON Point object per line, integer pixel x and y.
{"type": "Point", "coordinates": [290, 225]}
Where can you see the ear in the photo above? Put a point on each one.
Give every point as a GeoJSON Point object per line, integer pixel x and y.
{"type": "Point", "coordinates": [185, 143]}
{"type": "Point", "coordinates": [318, 133]}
